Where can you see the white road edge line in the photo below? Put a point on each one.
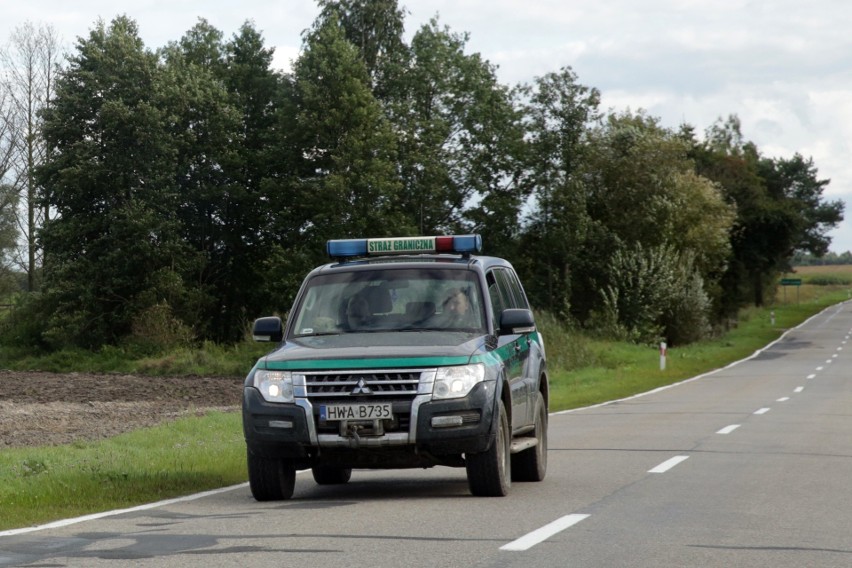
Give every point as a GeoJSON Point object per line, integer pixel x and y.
{"type": "Point", "coordinates": [728, 429]}
{"type": "Point", "coordinates": [668, 464]}
{"type": "Point", "coordinates": [540, 535]}
{"type": "Point", "coordinates": [94, 516]}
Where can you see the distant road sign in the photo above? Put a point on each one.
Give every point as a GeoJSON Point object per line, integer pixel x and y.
{"type": "Point", "coordinates": [791, 281]}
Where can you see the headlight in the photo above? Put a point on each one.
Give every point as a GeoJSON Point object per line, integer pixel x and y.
{"type": "Point", "coordinates": [274, 386]}
{"type": "Point", "coordinates": [456, 382]}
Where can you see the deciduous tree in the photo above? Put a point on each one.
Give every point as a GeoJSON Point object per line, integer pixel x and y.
{"type": "Point", "coordinates": [348, 177]}
{"type": "Point", "coordinates": [114, 241]}
{"type": "Point", "coordinates": [29, 64]}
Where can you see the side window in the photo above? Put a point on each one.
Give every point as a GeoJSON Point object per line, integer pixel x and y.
{"type": "Point", "coordinates": [517, 290]}
{"type": "Point", "coordinates": [510, 288]}
{"type": "Point", "coordinates": [498, 304]}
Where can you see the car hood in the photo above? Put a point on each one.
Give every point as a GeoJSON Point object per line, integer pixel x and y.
{"type": "Point", "coordinates": [366, 350]}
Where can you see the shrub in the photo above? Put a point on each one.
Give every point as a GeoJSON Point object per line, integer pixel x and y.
{"type": "Point", "coordinates": [157, 330]}
{"type": "Point", "coordinates": [653, 294]}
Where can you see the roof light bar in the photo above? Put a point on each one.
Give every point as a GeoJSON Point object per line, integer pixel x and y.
{"type": "Point", "coordinates": [458, 244]}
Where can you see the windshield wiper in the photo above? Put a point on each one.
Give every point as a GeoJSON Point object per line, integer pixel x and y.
{"type": "Point", "coordinates": [318, 334]}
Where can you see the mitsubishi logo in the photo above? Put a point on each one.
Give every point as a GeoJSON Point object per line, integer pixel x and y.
{"type": "Point", "coordinates": [362, 388]}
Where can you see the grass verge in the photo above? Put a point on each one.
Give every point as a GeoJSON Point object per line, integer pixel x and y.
{"type": "Point", "coordinates": [187, 456]}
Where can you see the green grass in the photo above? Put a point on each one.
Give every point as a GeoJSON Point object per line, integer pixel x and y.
{"type": "Point", "coordinates": [38, 485]}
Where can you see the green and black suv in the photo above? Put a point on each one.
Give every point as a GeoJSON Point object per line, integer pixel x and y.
{"type": "Point", "coordinates": [403, 353]}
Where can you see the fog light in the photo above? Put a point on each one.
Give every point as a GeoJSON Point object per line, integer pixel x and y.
{"type": "Point", "coordinates": [446, 421]}
{"type": "Point", "coordinates": [280, 424]}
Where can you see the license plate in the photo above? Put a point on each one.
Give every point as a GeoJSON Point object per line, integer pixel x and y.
{"type": "Point", "coordinates": [361, 411]}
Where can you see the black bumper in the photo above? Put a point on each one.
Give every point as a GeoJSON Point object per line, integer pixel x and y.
{"type": "Point", "coordinates": [282, 431]}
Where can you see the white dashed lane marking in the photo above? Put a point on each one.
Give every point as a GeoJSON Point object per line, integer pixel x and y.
{"type": "Point", "coordinates": [540, 535]}
{"type": "Point", "coordinates": [668, 464]}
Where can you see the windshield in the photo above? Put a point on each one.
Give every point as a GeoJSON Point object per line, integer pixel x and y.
{"type": "Point", "coordinates": [421, 299]}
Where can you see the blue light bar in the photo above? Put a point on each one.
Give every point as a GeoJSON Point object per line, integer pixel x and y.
{"type": "Point", "coordinates": [345, 248]}
{"type": "Point", "coordinates": [458, 244]}
{"type": "Point", "coordinates": [467, 243]}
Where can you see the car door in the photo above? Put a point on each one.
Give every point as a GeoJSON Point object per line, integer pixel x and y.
{"type": "Point", "coordinates": [513, 347]}
{"type": "Point", "coordinates": [527, 345]}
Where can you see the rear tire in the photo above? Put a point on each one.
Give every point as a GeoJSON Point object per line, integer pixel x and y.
{"type": "Point", "coordinates": [489, 472]}
{"type": "Point", "coordinates": [531, 464]}
{"type": "Point", "coordinates": [325, 475]}
{"type": "Point", "coordinates": [270, 479]}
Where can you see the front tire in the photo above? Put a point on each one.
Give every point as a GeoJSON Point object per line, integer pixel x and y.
{"type": "Point", "coordinates": [270, 479]}
{"type": "Point", "coordinates": [489, 472]}
{"type": "Point", "coordinates": [531, 464]}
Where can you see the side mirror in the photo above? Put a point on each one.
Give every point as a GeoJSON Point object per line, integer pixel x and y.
{"type": "Point", "coordinates": [514, 321]}
{"type": "Point", "coordinates": [268, 329]}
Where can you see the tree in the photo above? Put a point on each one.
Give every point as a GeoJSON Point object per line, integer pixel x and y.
{"type": "Point", "coordinates": [779, 209]}
{"type": "Point", "coordinates": [233, 171]}
{"type": "Point", "coordinates": [29, 65]}
{"type": "Point", "coordinates": [253, 194]}
{"type": "Point", "coordinates": [643, 196]}
{"type": "Point", "coordinates": [459, 133]}
{"type": "Point", "coordinates": [8, 192]}
{"type": "Point", "coordinates": [348, 180]}
{"type": "Point", "coordinates": [557, 114]}
{"type": "Point", "coordinates": [795, 180]}
{"type": "Point", "coordinates": [113, 247]}
{"type": "Point", "coordinates": [203, 122]}
{"type": "Point", "coordinates": [375, 28]}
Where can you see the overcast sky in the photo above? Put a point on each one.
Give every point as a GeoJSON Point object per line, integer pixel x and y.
{"type": "Point", "coordinates": [783, 66]}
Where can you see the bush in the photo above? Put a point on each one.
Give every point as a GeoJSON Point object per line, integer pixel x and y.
{"type": "Point", "coordinates": [25, 324]}
{"type": "Point", "coordinates": [157, 330]}
{"type": "Point", "coordinates": [686, 319]}
{"type": "Point", "coordinates": [654, 294]}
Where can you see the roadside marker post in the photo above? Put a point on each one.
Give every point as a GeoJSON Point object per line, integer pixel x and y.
{"type": "Point", "coordinates": [663, 356]}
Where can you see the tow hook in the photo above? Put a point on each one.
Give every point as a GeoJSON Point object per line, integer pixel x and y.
{"type": "Point", "coordinates": [354, 431]}
{"type": "Point", "coordinates": [352, 434]}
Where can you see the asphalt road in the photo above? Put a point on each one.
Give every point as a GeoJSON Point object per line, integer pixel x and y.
{"type": "Point", "coordinates": [748, 466]}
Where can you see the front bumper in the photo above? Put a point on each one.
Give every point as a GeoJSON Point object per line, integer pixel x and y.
{"type": "Point", "coordinates": [434, 430]}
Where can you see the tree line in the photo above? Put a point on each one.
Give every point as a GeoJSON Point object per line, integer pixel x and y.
{"type": "Point", "coordinates": [173, 195]}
